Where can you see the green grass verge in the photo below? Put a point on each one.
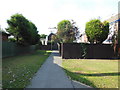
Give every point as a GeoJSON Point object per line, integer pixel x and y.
{"type": "Point", "coordinates": [18, 71]}
{"type": "Point", "coordinates": [95, 73]}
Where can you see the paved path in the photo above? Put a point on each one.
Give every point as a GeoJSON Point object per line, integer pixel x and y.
{"type": "Point", "coordinates": [51, 75]}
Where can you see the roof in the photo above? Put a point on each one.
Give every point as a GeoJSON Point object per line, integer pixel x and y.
{"type": "Point", "coordinates": [114, 18]}
{"type": "Point", "coordinates": [4, 33]}
{"type": "Point", "coordinates": [51, 34]}
{"type": "Point", "coordinates": [115, 21]}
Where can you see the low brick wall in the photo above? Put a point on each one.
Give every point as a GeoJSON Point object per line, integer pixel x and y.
{"type": "Point", "coordinates": [93, 51]}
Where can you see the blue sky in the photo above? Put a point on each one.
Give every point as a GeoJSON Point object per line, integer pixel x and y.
{"type": "Point", "coordinates": [47, 13]}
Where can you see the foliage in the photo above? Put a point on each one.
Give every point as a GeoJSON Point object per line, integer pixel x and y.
{"type": "Point", "coordinates": [67, 31]}
{"type": "Point", "coordinates": [114, 37]}
{"type": "Point", "coordinates": [55, 39]}
{"type": "Point", "coordinates": [23, 30]}
{"type": "Point", "coordinates": [97, 31]}
{"type": "Point", "coordinates": [43, 36]}
{"type": "Point", "coordinates": [119, 34]}
{"type": "Point", "coordinates": [84, 50]}
{"type": "Point", "coordinates": [11, 39]}
{"type": "Point", "coordinates": [115, 43]}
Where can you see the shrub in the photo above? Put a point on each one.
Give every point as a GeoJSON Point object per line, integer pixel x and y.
{"type": "Point", "coordinates": [97, 31]}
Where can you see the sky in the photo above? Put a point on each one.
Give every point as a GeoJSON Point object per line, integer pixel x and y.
{"type": "Point", "coordinates": [46, 14]}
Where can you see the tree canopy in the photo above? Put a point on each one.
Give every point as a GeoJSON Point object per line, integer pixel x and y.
{"type": "Point", "coordinates": [23, 30]}
{"type": "Point", "coordinates": [97, 31]}
{"type": "Point", "coordinates": [67, 31]}
{"type": "Point", "coordinates": [43, 36]}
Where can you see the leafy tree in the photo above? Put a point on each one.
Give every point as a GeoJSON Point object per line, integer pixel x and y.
{"type": "Point", "coordinates": [55, 39]}
{"type": "Point", "coordinates": [67, 31]}
{"type": "Point", "coordinates": [97, 31]}
{"type": "Point", "coordinates": [34, 36]}
{"type": "Point", "coordinates": [43, 36]}
{"type": "Point", "coordinates": [116, 41]}
{"type": "Point", "coordinates": [11, 39]}
{"type": "Point", "coordinates": [23, 30]}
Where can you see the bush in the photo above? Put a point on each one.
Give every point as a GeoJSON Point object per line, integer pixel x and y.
{"type": "Point", "coordinates": [12, 40]}
{"type": "Point", "coordinates": [97, 31]}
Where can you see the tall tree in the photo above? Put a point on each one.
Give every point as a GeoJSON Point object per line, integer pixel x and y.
{"type": "Point", "coordinates": [67, 31]}
{"type": "Point", "coordinates": [22, 29]}
{"type": "Point", "coordinates": [43, 36]}
{"type": "Point", "coordinates": [97, 31]}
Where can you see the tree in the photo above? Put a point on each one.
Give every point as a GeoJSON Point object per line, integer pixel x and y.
{"type": "Point", "coordinates": [97, 31]}
{"type": "Point", "coordinates": [23, 30]}
{"type": "Point", "coordinates": [34, 36]}
{"type": "Point", "coordinates": [43, 36]}
{"type": "Point", "coordinates": [11, 39]}
{"type": "Point", "coordinates": [116, 41]}
{"type": "Point", "coordinates": [67, 31]}
{"type": "Point", "coordinates": [55, 39]}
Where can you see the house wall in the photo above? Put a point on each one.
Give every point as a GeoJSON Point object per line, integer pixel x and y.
{"type": "Point", "coordinates": [83, 38]}
{"type": "Point", "coordinates": [113, 25]}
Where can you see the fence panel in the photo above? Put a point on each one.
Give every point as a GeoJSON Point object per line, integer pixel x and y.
{"type": "Point", "coordinates": [88, 51]}
{"type": "Point", "coordinates": [12, 49]}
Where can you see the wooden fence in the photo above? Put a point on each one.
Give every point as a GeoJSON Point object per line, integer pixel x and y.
{"type": "Point", "coordinates": [88, 51]}
{"type": "Point", "coordinates": [12, 49]}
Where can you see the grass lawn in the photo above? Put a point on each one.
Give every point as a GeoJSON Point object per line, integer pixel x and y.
{"type": "Point", "coordinates": [95, 73]}
{"type": "Point", "coordinates": [18, 71]}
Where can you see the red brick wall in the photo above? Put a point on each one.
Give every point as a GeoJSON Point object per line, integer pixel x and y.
{"type": "Point", "coordinates": [4, 37]}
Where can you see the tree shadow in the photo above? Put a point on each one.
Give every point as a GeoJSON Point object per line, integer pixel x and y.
{"type": "Point", "coordinates": [98, 74]}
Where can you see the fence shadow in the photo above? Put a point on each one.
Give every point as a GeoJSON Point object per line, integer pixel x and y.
{"type": "Point", "coordinates": [98, 74]}
{"type": "Point", "coordinates": [75, 77]}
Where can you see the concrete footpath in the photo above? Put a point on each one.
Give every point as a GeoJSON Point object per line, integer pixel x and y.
{"type": "Point", "coordinates": [51, 75]}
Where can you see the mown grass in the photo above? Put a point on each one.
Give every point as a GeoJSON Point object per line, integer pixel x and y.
{"type": "Point", "coordinates": [95, 73]}
{"type": "Point", "coordinates": [18, 71]}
